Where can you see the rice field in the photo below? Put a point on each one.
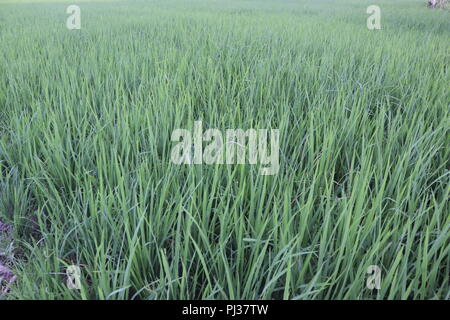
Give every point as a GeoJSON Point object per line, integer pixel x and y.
{"type": "Point", "coordinates": [86, 123]}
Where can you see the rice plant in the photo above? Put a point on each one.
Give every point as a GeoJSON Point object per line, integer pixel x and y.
{"type": "Point", "coordinates": [86, 118]}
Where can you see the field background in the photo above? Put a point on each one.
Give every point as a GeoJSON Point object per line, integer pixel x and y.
{"type": "Point", "coordinates": [85, 173]}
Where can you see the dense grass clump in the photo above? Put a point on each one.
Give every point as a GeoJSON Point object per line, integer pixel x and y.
{"type": "Point", "coordinates": [86, 118]}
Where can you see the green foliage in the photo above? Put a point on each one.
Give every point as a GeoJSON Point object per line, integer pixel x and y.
{"type": "Point", "coordinates": [85, 172]}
